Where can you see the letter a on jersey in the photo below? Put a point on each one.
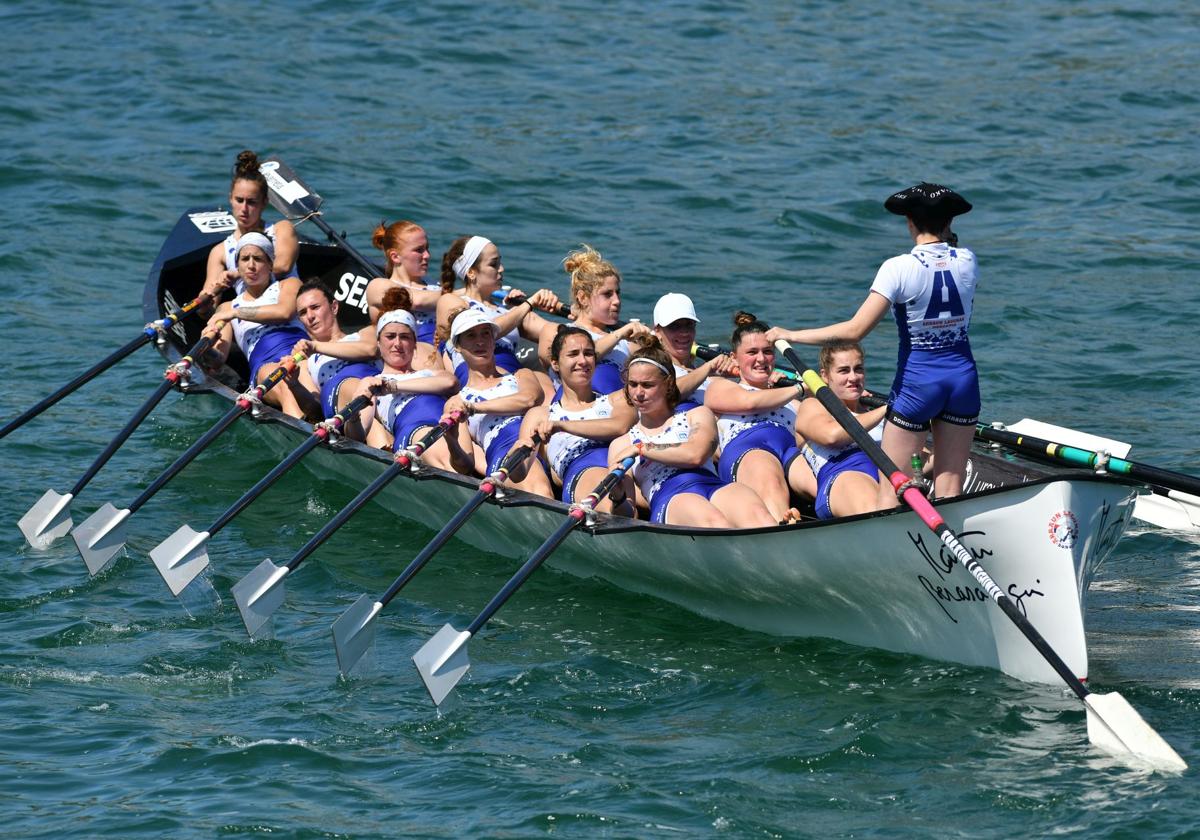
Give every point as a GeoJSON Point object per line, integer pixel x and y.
{"type": "Point", "coordinates": [944, 301]}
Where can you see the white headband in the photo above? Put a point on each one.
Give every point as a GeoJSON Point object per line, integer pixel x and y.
{"type": "Point", "coordinates": [258, 241]}
{"type": "Point", "coordinates": [644, 361]}
{"type": "Point", "coordinates": [471, 252]}
{"type": "Point", "coordinates": [396, 316]}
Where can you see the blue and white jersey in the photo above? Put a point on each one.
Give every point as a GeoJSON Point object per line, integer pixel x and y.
{"type": "Point", "coordinates": [931, 290]}
{"type": "Point", "coordinates": [729, 426]}
{"type": "Point", "coordinates": [697, 396]}
{"type": "Point", "coordinates": [485, 427]}
{"type": "Point", "coordinates": [818, 454]}
{"type": "Point", "coordinates": [389, 406]}
{"type": "Point", "coordinates": [248, 333]}
{"type": "Point", "coordinates": [231, 242]}
{"type": "Point", "coordinates": [323, 368]}
{"type": "Point", "coordinates": [564, 447]}
{"type": "Point", "coordinates": [650, 475]}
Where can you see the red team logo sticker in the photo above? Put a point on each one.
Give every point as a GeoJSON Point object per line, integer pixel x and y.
{"type": "Point", "coordinates": [1063, 529]}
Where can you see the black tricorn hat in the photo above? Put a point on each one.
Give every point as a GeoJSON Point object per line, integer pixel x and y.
{"type": "Point", "coordinates": [927, 197]}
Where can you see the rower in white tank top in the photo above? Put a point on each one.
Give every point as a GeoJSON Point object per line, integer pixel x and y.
{"type": "Point", "coordinates": [564, 447]}
{"type": "Point", "coordinates": [729, 426]}
{"type": "Point", "coordinates": [231, 243]}
{"type": "Point", "coordinates": [485, 427]}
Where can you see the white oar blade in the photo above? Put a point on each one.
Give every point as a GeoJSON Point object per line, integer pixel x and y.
{"type": "Point", "coordinates": [1116, 727]}
{"type": "Point", "coordinates": [259, 594]}
{"type": "Point", "coordinates": [1176, 511]}
{"type": "Point", "coordinates": [48, 520]}
{"type": "Point", "coordinates": [442, 662]}
{"type": "Point", "coordinates": [101, 537]}
{"type": "Point", "coordinates": [1069, 437]}
{"type": "Point", "coordinates": [181, 557]}
{"type": "Point", "coordinates": [354, 632]}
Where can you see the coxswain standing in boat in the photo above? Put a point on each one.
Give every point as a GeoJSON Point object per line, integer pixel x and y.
{"type": "Point", "coordinates": [596, 308]}
{"type": "Point", "coordinates": [410, 392]}
{"type": "Point", "coordinates": [262, 321]}
{"type": "Point", "coordinates": [930, 290]}
{"type": "Point", "coordinates": [336, 360]}
{"type": "Point", "coordinates": [247, 199]}
{"type": "Point", "coordinates": [580, 422]}
{"type": "Point", "coordinates": [674, 445]}
{"type": "Point", "coordinates": [675, 325]}
{"type": "Point", "coordinates": [756, 423]}
{"type": "Point", "coordinates": [846, 477]}
{"type": "Point", "coordinates": [406, 247]}
{"type": "Point", "coordinates": [474, 261]}
{"type": "Point", "coordinates": [494, 401]}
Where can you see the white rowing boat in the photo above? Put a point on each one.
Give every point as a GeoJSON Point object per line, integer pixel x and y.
{"type": "Point", "coordinates": [878, 580]}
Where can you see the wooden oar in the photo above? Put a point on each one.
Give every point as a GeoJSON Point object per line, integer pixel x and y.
{"type": "Point", "coordinates": [148, 334]}
{"type": "Point", "coordinates": [260, 593]}
{"type": "Point", "coordinates": [354, 630]}
{"type": "Point", "coordinates": [442, 661]}
{"type": "Point", "coordinates": [184, 555]}
{"type": "Point", "coordinates": [1113, 724]}
{"type": "Point", "coordinates": [50, 516]}
{"type": "Point", "coordinates": [102, 535]}
{"type": "Point", "coordinates": [292, 197]}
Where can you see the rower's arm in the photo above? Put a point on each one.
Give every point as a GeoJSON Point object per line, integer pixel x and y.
{"type": "Point", "coordinates": [216, 276]}
{"type": "Point", "coordinates": [363, 349]}
{"type": "Point", "coordinates": [696, 451]}
{"type": "Point", "coordinates": [529, 393]}
{"type": "Point", "coordinates": [689, 382]}
{"type": "Point", "coordinates": [273, 313]}
{"type": "Point", "coordinates": [287, 246]}
{"type": "Point", "coordinates": [816, 424]}
{"type": "Point", "coordinates": [442, 382]}
{"type": "Point", "coordinates": [868, 315]}
{"type": "Point", "coordinates": [602, 428]}
{"type": "Point", "coordinates": [726, 397]}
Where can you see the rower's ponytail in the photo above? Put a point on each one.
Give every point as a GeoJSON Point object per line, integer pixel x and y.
{"type": "Point", "coordinates": [449, 278]}
{"type": "Point", "coordinates": [246, 168]}
{"type": "Point", "coordinates": [744, 324]}
{"type": "Point", "coordinates": [397, 297]}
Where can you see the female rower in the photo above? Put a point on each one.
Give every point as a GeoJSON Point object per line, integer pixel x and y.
{"type": "Point", "coordinates": [675, 325]}
{"type": "Point", "coordinates": [247, 200]}
{"type": "Point", "coordinates": [675, 446]}
{"type": "Point", "coordinates": [596, 305]}
{"type": "Point", "coordinates": [475, 262]}
{"type": "Point", "coordinates": [756, 423]}
{"type": "Point", "coordinates": [578, 424]}
{"type": "Point", "coordinates": [336, 360]}
{"type": "Point", "coordinates": [930, 291]}
{"type": "Point", "coordinates": [847, 481]}
{"type": "Point", "coordinates": [494, 400]}
{"type": "Point", "coordinates": [410, 391]}
{"type": "Point", "coordinates": [406, 247]}
{"type": "Point", "coordinates": [262, 320]}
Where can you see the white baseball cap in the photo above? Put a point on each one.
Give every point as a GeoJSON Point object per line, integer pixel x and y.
{"type": "Point", "coordinates": [671, 307]}
{"type": "Point", "coordinates": [468, 319]}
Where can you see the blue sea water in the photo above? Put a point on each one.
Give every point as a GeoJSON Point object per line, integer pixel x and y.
{"type": "Point", "coordinates": [736, 151]}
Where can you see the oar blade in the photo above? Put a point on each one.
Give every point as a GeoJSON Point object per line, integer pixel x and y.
{"type": "Point", "coordinates": [101, 537]}
{"type": "Point", "coordinates": [181, 557]}
{"type": "Point", "coordinates": [354, 632]}
{"type": "Point", "coordinates": [1116, 727]}
{"type": "Point", "coordinates": [48, 520]}
{"type": "Point", "coordinates": [442, 662]}
{"type": "Point", "coordinates": [288, 194]}
{"type": "Point", "coordinates": [259, 594]}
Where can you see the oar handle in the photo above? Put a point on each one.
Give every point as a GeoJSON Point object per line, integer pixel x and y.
{"type": "Point", "coordinates": [172, 318]}
{"type": "Point", "coordinates": [406, 457]}
{"type": "Point", "coordinates": [909, 492]}
{"type": "Point", "coordinates": [255, 394]}
{"type": "Point", "coordinates": [503, 296]}
{"type": "Point", "coordinates": [575, 517]}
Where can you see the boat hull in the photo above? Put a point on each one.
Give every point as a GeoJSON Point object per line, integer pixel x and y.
{"type": "Point", "coordinates": [879, 580]}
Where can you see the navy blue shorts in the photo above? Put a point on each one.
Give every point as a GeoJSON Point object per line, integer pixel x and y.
{"type": "Point", "coordinates": [273, 346]}
{"type": "Point", "coordinates": [421, 410]}
{"type": "Point", "coordinates": [768, 437]}
{"type": "Point", "coordinates": [595, 457]}
{"type": "Point", "coordinates": [701, 482]}
{"type": "Point", "coordinates": [855, 460]}
{"type": "Point", "coordinates": [329, 391]}
{"type": "Point", "coordinates": [929, 386]}
{"type": "Point", "coordinates": [502, 443]}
